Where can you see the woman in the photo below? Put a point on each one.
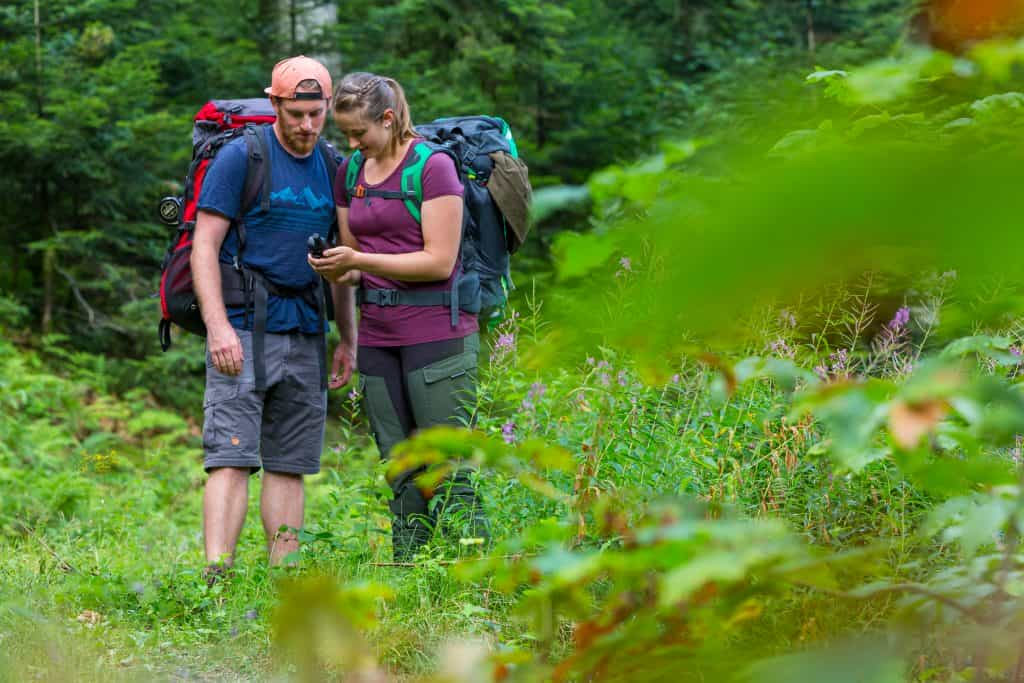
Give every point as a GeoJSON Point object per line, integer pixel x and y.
{"type": "Point", "coordinates": [417, 356]}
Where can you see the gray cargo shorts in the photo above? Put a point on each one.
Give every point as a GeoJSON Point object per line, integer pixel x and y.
{"type": "Point", "coordinates": [280, 430]}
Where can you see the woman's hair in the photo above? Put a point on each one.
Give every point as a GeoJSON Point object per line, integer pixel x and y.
{"type": "Point", "coordinates": [373, 95]}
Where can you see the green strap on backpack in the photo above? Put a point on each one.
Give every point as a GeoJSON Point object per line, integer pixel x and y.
{"type": "Point", "coordinates": [411, 184]}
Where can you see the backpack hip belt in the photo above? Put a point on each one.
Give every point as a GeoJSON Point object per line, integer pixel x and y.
{"type": "Point", "coordinates": [242, 279]}
{"type": "Point", "coordinates": [402, 297]}
{"type": "Point", "coordinates": [255, 291]}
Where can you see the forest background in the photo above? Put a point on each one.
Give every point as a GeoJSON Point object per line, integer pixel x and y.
{"type": "Point", "coordinates": [801, 465]}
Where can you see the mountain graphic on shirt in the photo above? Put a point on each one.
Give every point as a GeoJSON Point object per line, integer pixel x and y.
{"type": "Point", "coordinates": [306, 198]}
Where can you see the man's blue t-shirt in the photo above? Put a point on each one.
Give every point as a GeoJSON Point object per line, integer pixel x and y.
{"type": "Point", "coordinates": [301, 205]}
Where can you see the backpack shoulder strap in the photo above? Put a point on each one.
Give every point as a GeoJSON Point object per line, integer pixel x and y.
{"type": "Point", "coordinates": [261, 133]}
{"type": "Point", "coordinates": [412, 174]}
{"type": "Point", "coordinates": [332, 160]}
{"type": "Point", "coordinates": [355, 162]}
{"type": "Point", "coordinates": [331, 157]}
{"type": "Point", "coordinates": [257, 177]}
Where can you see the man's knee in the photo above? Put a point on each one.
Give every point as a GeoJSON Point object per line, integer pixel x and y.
{"type": "Point", "coordinates": [283, 478]}
{"type": "Point", "coordinates": [240, 474]}
{"type": "Point", "coordinates": [287, 474]}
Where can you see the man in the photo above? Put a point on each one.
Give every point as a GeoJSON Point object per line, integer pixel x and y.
{"type": "Point", "coordinates": [265, 402]}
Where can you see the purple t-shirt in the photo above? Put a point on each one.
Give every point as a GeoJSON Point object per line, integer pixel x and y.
{"type": "Point", "coordinates": [384, 226]}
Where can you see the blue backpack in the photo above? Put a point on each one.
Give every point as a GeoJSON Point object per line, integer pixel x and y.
{"type": "Point", "coordinates": [483, 150]}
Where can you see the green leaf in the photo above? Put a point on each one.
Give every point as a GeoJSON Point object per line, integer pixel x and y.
{"type": "Point", "coordinates": [853, 419]}
{"type": "Point", "coordinates": [887, 80]}
{"type": "Point", "coordinates": [827, 75]}
{"type": "Point", "coordinates": [784, 372]}
{"type": "Point", "coordinates": [981, 524]}
{"type": "Point", "coordinates": [548, 200]}
{"type": "Point", "coordinates": [997, 58]}
{"type": "Point", "coordinates": [860, 662]}
{"type": "Point", "coordinates": [716, 566]}
{"type": "Point", "coordinates": [996, 348]}
{"type": "Point", "coordinates": [577, 255]}
{"type": "Point", "coordinates": [676, 151]}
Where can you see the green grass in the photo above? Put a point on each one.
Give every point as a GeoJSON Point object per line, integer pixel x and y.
{"type": "Point", "coordinates": [102, 550]}
{"type": "Point", "coordinates": [101, 575]}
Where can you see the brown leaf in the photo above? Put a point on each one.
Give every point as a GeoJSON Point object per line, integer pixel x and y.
{"type": "Point", "coordinates": [908, 422]}
{"type": "Point", "coordinates": [90, 618]}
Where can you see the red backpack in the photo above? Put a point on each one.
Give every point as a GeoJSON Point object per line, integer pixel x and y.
{"type": "Point", "coordinates": [216, 123]}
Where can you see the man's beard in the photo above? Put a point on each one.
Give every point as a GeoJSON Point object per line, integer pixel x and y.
{"type": "Point", "coordinates": [299, 143]}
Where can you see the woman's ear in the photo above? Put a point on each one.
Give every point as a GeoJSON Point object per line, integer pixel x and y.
{"type": "Point", "coordinates": [388, 118]}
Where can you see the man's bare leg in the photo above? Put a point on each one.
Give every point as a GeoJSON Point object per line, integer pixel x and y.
{"type": "Point", "coordinates": [282, 502]}
{"type": "Point", "coordinates": [225, 500]}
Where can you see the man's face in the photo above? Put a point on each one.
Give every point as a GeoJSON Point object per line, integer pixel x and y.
{"type": "Point", "coordinates": [300, 123]}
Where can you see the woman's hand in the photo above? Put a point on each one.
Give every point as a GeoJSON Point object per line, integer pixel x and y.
{"type": "Point", "coordinates": [336, 264]}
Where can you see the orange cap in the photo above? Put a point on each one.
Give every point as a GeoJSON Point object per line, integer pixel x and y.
{"type": "Point", "coordinates": [288, 73]}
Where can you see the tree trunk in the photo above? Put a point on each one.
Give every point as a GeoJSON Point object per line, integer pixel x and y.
{"type": "Point", "coordinates": [812, 43]}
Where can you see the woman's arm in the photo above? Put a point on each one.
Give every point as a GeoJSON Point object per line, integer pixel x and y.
{"type": "Point", "coordinates": [441, 222]}
{"type": "Point", "coordinates": [326, 266]}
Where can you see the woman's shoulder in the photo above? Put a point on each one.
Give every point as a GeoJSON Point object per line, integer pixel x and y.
{"type": "Point", "coordinates": [440, 177]}
{"type": "Point", "coordinates": [439, 160]}
{"type": "Point", "coordinates": [342, 170]}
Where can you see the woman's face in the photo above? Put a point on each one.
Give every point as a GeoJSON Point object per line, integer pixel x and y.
{"type": "Point", "coordinates": [370, 137]}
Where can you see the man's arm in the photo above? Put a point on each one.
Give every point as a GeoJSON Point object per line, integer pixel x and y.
{"type": "Point", "coordinates": [344, 362]}
{"type": "Point", "coordinates": [344, 313]}
{"type": "Point", "coordinates": [221, 339]}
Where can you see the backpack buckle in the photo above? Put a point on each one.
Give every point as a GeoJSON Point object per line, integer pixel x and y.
{"type": "Point", "coordinates": [360, 192]}
{"type": "Point", "coordinates": [387, 297]}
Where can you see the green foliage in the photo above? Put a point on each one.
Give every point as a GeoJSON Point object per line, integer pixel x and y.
{"type": "Point", "coordinates": [869, 188]}
{"type": "Point", "coordinates": [764, 419]}
{"type": "Point", "coordinates": [93, 122]}
{"type": "Point", "coordinates": [94, 114]}
{"type": "Point", "coordinates": [56, 432]}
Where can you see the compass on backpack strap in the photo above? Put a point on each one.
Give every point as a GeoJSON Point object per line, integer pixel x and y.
{"type": "Point", "coordinates": [170, 211]}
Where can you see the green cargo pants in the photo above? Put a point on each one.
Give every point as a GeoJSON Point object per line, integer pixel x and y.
{"type": "Point", "coordinates": [415, 387]}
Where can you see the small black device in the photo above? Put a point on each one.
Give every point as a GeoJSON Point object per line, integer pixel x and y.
{"type": "Point", "coordinates": [170, 211]}
{"type": "Point", "coordinates": [316, 245]}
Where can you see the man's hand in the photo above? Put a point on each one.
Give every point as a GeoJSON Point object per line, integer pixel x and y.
{"type": "Point", "coordinates": [345, 362]}
{"type": "Point", "coordinates": [352, 278]}
{"type": "Point", "coordinates": [225, 349]}
{"type": "Point", "coordinates": [335, 263]}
